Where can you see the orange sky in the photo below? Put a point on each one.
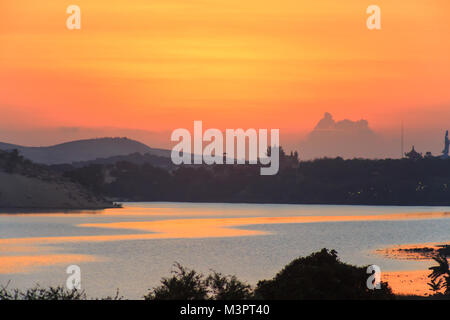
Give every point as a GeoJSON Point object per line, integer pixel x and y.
{"type": "Point", "coordinates": [160, 64]}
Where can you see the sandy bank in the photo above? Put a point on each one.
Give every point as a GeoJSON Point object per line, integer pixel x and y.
{"type": "Point", "coordinates": [20, 191]}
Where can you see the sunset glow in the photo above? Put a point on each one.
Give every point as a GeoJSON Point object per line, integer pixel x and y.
{"type": "Point", "coordinates": [160, 65]}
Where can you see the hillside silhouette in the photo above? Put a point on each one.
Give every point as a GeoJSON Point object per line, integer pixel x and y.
{"type": "Point", "coordinates": [83, 150]}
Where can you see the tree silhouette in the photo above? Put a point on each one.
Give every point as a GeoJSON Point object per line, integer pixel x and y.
{"type": "Point", "coordinates": [441, 274]}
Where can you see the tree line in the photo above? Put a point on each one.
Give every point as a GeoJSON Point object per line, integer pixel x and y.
{"type": "Point", "coordinates": [320, 181]}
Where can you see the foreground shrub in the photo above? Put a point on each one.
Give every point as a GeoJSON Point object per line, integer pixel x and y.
{"type": "Point", "coordinates": [183, 285]}
{"type": "Point", "coordinates": [50, 293]}
{"type": "Point", "coordinates": [320, 276]}
{"type": "Point", "coordinates": [38, 293]}
{"type": "Point", "coordinates": [227, 287]}
{"type": "Point", "coordinates": [189, 285]}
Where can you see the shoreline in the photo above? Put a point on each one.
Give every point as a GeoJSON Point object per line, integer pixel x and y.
{"type": "Point", "coordinates": [32, 210]}
{"type": "Point", "coordinates": [433, 204]}
{"type": "Point", "coordinates": [415, 251]}
{"type": "Point", "coordinates": [120, 204]}
{"type": "Point", "coordinates": [411, 282]}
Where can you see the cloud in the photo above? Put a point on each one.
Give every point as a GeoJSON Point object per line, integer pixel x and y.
{"type": "Point", "coordinates": [344, 138]}
{"type": "Point", "coordinates": [327, 123]}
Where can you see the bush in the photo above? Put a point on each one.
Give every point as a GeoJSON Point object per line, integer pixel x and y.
{"type": "Point", "coordinates": [320, 276]}
{"type": "Point", "coordinates": [189, 285]}
{"type": "Point", "coordinates": [38, 293]}
{"type": "Point", "coordinates": [183, 285]}
{"type": "Point", "coordinates": [227, 287]}
{"type": "Point", "coordinates": [50, 293]}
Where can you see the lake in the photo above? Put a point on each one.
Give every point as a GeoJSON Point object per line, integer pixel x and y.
{"type": "Point", "coordinates": [131, 248]}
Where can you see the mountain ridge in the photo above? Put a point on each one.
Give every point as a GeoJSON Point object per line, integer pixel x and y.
{"type": "Point", "coordinates": [83, 150]}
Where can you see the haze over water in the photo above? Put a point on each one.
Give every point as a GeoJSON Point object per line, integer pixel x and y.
{"type": "Point", "coordinates": [133, 247]}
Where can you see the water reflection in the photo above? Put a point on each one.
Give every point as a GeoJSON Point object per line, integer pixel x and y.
{"type": "Point", "coordinates": [22, 254]}
{"type": "Point", "coordinates": [28, 263]}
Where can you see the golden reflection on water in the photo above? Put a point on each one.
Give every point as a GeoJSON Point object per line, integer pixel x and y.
{"type": "Point", "coordinates": [166, 229]}
{"type": "Point", "coordinates": [410, 282]}
{"type": "Point", "coordinates": [206, 228]}
{"type": "Point", "coordinates": [20, 264]}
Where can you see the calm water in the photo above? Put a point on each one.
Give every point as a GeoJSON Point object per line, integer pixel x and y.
{"type": "Point", "coordinates": [133, 247]}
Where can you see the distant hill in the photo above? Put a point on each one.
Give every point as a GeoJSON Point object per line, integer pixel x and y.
{"type": "Point", "coordinates": [84, 150]}
{"type": "Point", "coordinates": [135, 158]}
